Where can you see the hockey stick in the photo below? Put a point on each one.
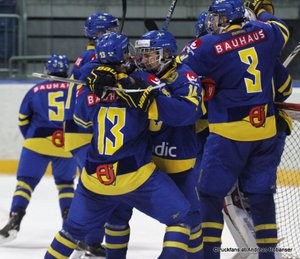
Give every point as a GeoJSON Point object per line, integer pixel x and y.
{"type": "Point", "coordinates": [292, 55]}
{"type": "Point", "coordinates": [169, 15]}
{"type": "Point", "coordinates": [69, 80]}
{"type": "Point", "coordinates": [150, 25]}
{"type": "Point", "coordinates": [124, 11]}
{"type": "Point", "coordinates": [57, 78]}
{"type": "Point", "coordinates": [292, 109]}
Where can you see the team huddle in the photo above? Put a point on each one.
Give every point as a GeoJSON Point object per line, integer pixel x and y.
{"type": "Point", "coordinates": [170, 133]}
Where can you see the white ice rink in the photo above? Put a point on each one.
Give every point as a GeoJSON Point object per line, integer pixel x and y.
{"type": "Point", "coordinates": [42, 221]}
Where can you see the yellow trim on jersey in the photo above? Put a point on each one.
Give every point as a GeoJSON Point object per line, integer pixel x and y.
{"type": "Point", "coordinates": [153, 111]}
{"type": "Point", "coordinates": [23, 120]}
{"type": "Point", "coordinates": [284, 30]}
{"type": "Point", "coordinates": [116, 233]}
{"type": "Point", "coordinates": [82, 123]}
{"type": "Point", "coordinates": [23, 116]}
{"type": "Point", "coordinates": [176, 245]}
{"type": "Point", "coordinates": [65, 241]}
{"type": "Point", "coordinates": [90, 47]}
{"type": "Point", "coordinates": [56, 254]}
{"type": "Point", "coordinates": [266, 240]}
{"type": "Point", "coordinates": [179, 229]}
{"type": "Point", "coordinates": [63, 186]}
{"type": "Point", "coordinates": [155, 125]}
{"type": "Point", "coordinates": [196, 235]}
{"type": "Point", "coordinates": [123, 184]}
{"type": "Point", "coordinates": [212, 225]}
{"type": "Point", "coordinates": [212, 239]}
{"type": "Point", "coordinates": [76, 140]}
{"type": "Point", "coordinates": [243, 130]}
{"type": "Point", "coordinates": [23, 194]}
{"type": "Point", "coordinates": [196, 249]}
{"type": "Point", "coordinates": [116, 246]}
{"type": "Point", "coordinates": [174, 166]}
{"type": "Point", "coordinates": [24, 186]}
{"type": "Point", "coordinates": [201, 125]}
{"type": "Point", "coordinates": [66, 195]}
{"type": "Point", "coordinates": [121, 76]}
{"type": "Point", "coordinates": [286, 84]}
{"type": "Point", "coordinates": [193, 99]}
{"type": "Point", "coordinates": [45, 146]}
{"type": "Point", "coordinates": [265, 227]}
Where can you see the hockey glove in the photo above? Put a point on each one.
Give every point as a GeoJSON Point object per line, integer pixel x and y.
{"type": "Point", "coordinates": [259, 5]}
{"type": "Point", "coordinates": [101, 79]}
{"type": "Point", "coordinates": [209, 86]}
{"type": "Point", "coordinates": [140, 100]}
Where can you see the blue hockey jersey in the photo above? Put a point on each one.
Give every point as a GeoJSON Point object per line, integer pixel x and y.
{"type": "Point", "coordinates": [41, 117]}
{"type": "Point", "coordinates": [241, 61]}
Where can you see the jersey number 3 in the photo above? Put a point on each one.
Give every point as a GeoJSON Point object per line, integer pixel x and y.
{"type": "Point", "coordinates": [249, 57]}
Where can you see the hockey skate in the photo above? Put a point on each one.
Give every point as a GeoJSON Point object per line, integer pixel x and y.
{"type": "Point", "coordinates": [11, 229]}
{"type": "Point", "coordinates": [93, 252]}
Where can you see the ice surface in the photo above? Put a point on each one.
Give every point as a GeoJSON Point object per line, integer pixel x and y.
{"type": "Point", "coordinates": [42, 221]}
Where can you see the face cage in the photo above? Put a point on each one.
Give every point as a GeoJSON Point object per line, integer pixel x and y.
{"type": "Point", "coordinates": [157, 64]}
{"type": "Point", "coordinates": [216, 23]}
{"type": "Point", "coordinates": [113, 29]}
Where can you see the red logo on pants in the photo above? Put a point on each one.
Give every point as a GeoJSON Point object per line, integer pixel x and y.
{"type": "Point", "coordinates": [58, 138]}
{"type": "Point", "coordinates": [106, 174]}
{"type": "Point", "coordinates": [257, 116]}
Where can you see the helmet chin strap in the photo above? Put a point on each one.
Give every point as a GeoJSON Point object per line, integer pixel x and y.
{"type": "Point", "coordinates": [163, 62]}
{"type": "Point", "coordinates": [223, 29]}
{"type": "Point", "coordinates": [163, 66]}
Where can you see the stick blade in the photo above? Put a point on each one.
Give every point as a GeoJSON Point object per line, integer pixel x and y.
{"type": "Point", "coordinates": [150, 24]}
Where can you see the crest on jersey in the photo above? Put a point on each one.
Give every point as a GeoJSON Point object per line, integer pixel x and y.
{"type": "Point", "coordinates": [191, 76]}
{"type": "Point", "coordinates": [195, 44]}
{"type": "Point", "coordinates": [153, 79]}
{"type": "Point", "coordinates": [78, 62]}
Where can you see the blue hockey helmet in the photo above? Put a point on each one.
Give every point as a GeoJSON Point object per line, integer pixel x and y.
{"type": "Point", "coordinates": [100, 22]}
{"type": "Point", "coordinates": [159, 42]}
{"type": "Point", "coordinates": [57, 65]}
{"type": "Point", "coordinates": [111, 48]}
{"type": "Point", "coordinates": [233, 10]}
{"type": "Point", "coordinates": [158, 39]}
{"type": "Point", "coordinates": [201, 24]}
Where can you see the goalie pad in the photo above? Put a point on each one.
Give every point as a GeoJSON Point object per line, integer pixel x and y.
{"type": "Point", "coordinates": [239, 221]}
{"type": "Point", "coordinates": [240, 224]}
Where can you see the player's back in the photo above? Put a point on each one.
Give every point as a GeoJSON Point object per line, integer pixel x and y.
{"type": "Point", "coordinates": [118, 130]}
{"type": "Point", "coordinates": [45, 101]}
{"type": "Point", "coordinates": [120, 140]}
{"type": "Point", "coordinates": [241, 61]}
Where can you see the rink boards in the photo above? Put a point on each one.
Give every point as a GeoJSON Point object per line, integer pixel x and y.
{"type": "Point", "coordinates": [12, 93]}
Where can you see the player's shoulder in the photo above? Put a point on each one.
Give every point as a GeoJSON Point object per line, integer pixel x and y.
{"type": "Point", "coordinates": [48, 86]}
{"type": "Point", "coordinates": [148, 77]}
{"type": "Point", "coordinates": [186, 74]}
{"type": "Point", "coordinates": [87, 68]}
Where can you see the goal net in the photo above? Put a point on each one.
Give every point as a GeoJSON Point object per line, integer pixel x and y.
{"type": "Point", "coordinates": [287, 198]}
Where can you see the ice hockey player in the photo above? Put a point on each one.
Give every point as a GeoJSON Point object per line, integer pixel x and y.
{"type": "Point", "coordinates": [240, 57]}
{"type": "Point", "coordinates": [41, 124]}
